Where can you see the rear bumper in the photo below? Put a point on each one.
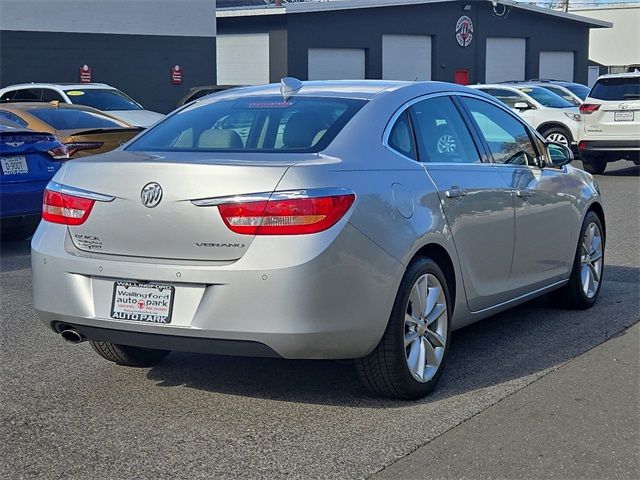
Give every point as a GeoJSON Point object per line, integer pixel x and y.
{"type": "Point", "coordinates": [610, 150]}
{"type": "Point", "coordinates": [327, 295]}
{"type": "Point", "coordinates": [21, 199]}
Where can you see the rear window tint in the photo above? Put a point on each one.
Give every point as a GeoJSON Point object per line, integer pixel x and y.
{"type": "Point", "coordinates": [257, 124]}
{"type": "Point", "coordinates": [67, 119]}
{"type": "Point", "coordinates": [616, 89]}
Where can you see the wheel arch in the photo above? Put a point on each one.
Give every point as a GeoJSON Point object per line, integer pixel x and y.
{"type": "Point", "coordinates": [441, 256]}
{"type": "Point", "coordinates": [596, 207]}
{"type": "Point", "coordinates": [544, 127]}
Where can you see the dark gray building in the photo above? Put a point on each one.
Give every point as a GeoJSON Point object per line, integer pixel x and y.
{"type": "Point", "coordinates": [131, 45]}
{"type": "Point", "coordinates": [465, 41]}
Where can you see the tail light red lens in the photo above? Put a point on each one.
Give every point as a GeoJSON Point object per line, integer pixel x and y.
{"type": "Point", "coordinates": [75, 147]}
{"type": "Point", "coordinates": [59, 153]}
{"type": "Point", "coordinates": [295, 216]}
{"type": "Point", "coordinates": [64, 208]}
{"type": "Point", "coordinates": [589, 108]}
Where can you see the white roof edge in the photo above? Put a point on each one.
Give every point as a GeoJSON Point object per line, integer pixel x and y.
{"type": "Point", "coordinates": [309, 7]}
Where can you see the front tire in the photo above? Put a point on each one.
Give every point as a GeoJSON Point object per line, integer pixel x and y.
{"type": "Point", "coordinates": [588, 266]}
{"type": "Point", "coordinates": [558, 135]}
{"type": "Point", "coordinates": [127, 355]}
{"type": "Point", "coordinates": [409, 360]}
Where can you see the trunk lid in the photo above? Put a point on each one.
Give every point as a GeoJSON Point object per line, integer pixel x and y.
{"type": "Point", "coordinates": [175, 228]}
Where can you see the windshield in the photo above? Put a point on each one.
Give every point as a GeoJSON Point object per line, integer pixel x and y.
{"type": "Point", "coordinates": [545, 97]}
{"type": "Point", "coordinates": [263, 124]}
{"type": "Point", "coordinates": [620, 88]}
{"type": "Point", "coordinates": [103, 99]}
{"type": "Point", "coordinates": [68, 119]}
{"type": "Point", "coordinates": [579, 90]}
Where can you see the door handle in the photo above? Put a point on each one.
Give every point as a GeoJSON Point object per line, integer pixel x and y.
{"type": "Point", "coordinates": [525, 194]}
{"type": "Point", "coordinates": [455, 192]}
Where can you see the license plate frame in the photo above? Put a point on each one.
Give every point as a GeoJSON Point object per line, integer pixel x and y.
{"type": "Point", "coordinates": [623, 116]}
{"type": "Point", "coordinates": [156, 306]}
{"type": "Point", "coordinates": [14, 165]}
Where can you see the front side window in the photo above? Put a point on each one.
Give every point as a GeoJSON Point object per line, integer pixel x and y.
{"type": "Point", "coordinates": [28, 94]}
{"type": "Point", "coordinates": [69, 119]}
{"type": "Point", "coordinates": [546, 97]}
{"type": "Point", "coordinates": [508, 97]}
{"type": "Point", "coordinates": [401, 137]}
{"type": "Point", "coordinates": [102, 98]}
{"type": "Point", "coordinates": [560, 92]}
{"type": "Point", "coordinates": [507, 138]}
{"type": "Point", "coordinates": [259, 124]}
{"type": "Point", "coordinates": [441, 133]}
{"type": "Point", "coordinates": [49, 95]}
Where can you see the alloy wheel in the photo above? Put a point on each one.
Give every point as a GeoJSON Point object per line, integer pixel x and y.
{"type": "Point", "coordinates": [425, 327]}
{"type": "Point", "coordinates": [558, 138]}
{"type": "Point", "coordinates": [591, 260]}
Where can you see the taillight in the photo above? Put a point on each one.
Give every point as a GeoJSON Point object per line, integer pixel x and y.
{"type": "Point", "coordinates": [64, 208]}
{"type": "Point", "coordinates": [75, 147]}
{"type": "Point", "coordinates": [286, 216]}
{"type": "Point", "coordinates": [589, 108]}
{"type": "Point", "coordinates": [582, 145]}
{"type": "Point", "coordinates": [59, 153]}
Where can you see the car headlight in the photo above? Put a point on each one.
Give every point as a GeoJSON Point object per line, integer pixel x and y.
{"type": "Point", "coordinates": [573, 116]}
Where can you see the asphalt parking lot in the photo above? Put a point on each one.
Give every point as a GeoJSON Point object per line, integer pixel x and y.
{"type": "Point", "coordinates": [66, 413]}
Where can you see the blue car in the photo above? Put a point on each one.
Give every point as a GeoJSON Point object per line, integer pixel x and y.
{"type": "Point", "coordinates": [28, 160]}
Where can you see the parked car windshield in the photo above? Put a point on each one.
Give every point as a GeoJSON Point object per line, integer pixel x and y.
{"type": "Point", "coordinates": [580, 90]}
{"type": "Point", "coordinates": [262, 124]}
{"type": "Point", "coordinates": [620, 88]}
{"type": "Point", "coordinates": [103, 99]}
{"type": "Point", "coordinates": [71, 119]}
{"type": "Point", "coordinates": [546, 98]}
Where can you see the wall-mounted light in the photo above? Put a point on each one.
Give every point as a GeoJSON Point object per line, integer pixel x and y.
{"type": "Point", "coordinates": [466, 8]}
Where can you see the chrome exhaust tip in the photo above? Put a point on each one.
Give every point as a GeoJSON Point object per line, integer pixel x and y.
{"type": "Point", "coordinates": [72, 336]}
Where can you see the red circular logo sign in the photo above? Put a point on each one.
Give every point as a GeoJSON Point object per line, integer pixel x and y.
{"type": "Point", "coordinates": [464, 31]}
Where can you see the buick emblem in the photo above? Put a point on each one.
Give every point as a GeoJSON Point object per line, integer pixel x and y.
{"type": "Point", "coordinates": [151, 194]}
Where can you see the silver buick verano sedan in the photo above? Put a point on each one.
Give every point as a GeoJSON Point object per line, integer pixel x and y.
{"type": "Point", "coordinates": [316, 220]}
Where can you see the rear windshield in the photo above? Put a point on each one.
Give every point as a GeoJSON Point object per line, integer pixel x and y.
{"type": "Point", "coordinates": [579, 90]}
{"type": "Point", "coordinates": [546, 98]}
{"type": "Point", "coordinates": [102, 99]}
{"type": "Point", "coordinates": [616, 89]}
{"type": "Point", "coordinates": [258, 124]}
{"type": "Point", "coordinates": [67, 119]}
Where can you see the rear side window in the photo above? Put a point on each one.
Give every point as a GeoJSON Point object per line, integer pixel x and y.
{"type": "Point", "coordinates": [12, 118]}
{"type": "Point", "coordinates": [28, 94]}
{"type": "Point", "coordinates": [49, 95]}
{"type": "Point", "coordinates": [260, 124]}
{"type": "Point", "coordinates": [68, 119]}
{"type": "Point", "coordinates": [579, 90]}
{"type": "Point", "coordinates": [401, 137]}
{"type": "Point", "coordinates": [507, 97]}
{"type": "Point", "coordinates": [620, 88]}
{"type": "Point", "coordinates": [441, 133]}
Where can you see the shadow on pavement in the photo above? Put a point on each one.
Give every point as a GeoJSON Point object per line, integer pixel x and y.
{"type": "Point", "coordinates": [15, 255]}
{"type": "Point", "coordinates": [525, 340]}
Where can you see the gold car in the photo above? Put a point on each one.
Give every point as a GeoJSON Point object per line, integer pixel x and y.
{"type": "Point", "coordinates": [84, 130]}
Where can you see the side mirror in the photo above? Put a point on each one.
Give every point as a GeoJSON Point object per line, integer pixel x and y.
{"type": "Point", "coordinates": [559, 155]}
{"type": "Point", "coordinates": [522, 106]}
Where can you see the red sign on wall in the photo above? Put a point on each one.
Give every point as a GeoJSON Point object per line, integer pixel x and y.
{"type": "Point", "coordinates": [461, 77]}
{"type": "Point", "coordinates": [176, 75]}
{"type": "Point", "coordinates": [85, 74]}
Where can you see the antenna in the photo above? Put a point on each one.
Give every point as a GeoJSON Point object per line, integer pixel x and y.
{"type": "Point", "coordinates": [289, 86]}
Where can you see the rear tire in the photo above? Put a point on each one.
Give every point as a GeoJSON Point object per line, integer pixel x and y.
{"type": "Point", "coordinates": [127, 355]}
{"type": "Point", "coordinates": [594, 166]}
{"type": "Point", "coordinates": [575, 295]}
{"type": "Point", "coordinates": [402, 365]}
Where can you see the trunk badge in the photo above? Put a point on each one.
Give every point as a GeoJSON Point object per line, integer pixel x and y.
{"type": "Point", "coordinates": [151, 194]}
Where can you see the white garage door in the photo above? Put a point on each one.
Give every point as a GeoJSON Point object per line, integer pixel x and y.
{"type": "Point", "coordinates": [505, 59]}
{"type": "Point", "coordinates": [242, 59]}
{"type": "Point", "coordinates": [556, 65]}
{"type": "Point", "coordinates": [406, 57]}
{"type": "Point", "coordinates": [336, 63]}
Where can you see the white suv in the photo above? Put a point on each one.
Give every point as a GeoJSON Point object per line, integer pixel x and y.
{"type": "Point", "coordinates": [557, 119]}
{"type": "Point", "coordinates": [611, 122]}
{"type": "Point", "coordinates": [97, 95]}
